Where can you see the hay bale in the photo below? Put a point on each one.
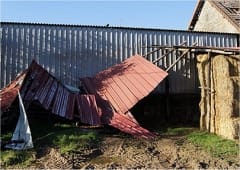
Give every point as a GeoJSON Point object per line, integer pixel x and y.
{"type": "Point", "coordinates": [236, 101]}
{"type": "Point", "coordinates": [226, 78]}
{"type": "Point", "coordinates": [220, 113]}
{"type": "Point", "coordinates": [202, 65]}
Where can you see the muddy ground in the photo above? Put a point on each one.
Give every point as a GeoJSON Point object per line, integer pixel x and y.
{"type": "Point", "coordinates": [121, 152]}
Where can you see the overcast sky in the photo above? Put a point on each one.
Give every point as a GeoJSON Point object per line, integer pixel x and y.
{"type": "Point", "coordinates": [148, 14]}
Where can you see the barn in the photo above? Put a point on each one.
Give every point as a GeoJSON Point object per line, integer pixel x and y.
{"type": "Point", "coordinates": [71, 52]}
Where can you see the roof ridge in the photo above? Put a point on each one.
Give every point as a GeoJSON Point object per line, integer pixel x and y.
{"type": "Point", "coordinates": [111, 27]}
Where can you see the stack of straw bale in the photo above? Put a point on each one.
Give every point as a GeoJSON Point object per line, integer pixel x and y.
{"type": "Point", "coordinates": [219, 106]}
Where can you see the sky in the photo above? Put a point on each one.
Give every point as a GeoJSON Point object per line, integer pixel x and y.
{"type": "Point", "coordinates": [163, 14]}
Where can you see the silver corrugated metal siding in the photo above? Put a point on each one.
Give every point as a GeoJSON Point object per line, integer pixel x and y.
{"type": "Point", "coordinates": [70, 52]}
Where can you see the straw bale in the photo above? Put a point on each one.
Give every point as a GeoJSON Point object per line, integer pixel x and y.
{"type": "Point", "coordinates": [223, 106]}
{"type": "Point", "coordinates": [202, 65]}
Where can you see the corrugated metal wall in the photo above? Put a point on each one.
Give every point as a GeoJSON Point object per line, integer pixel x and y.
{"type": "Point", "coordinates": [71, 52]}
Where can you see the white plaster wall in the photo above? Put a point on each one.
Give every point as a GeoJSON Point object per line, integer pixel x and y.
{"type": "Point", "coordinates": [211, 19]}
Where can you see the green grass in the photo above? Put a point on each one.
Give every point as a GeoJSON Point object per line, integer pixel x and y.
{"type": "Point", "coordinates": [7, 136]}
{"type": "Point", "coordinates": [69, 140]}
{"type": "Point", "coordinates": [17, 158]}
{"type": "Point", "coordinates": [179, 131]}
{"type": "Point", "coordinates": [176, 131]}
{"type": "Point", "coordinates": [57, 134]}
{"type": "Point", "coordinates": [214, 144]}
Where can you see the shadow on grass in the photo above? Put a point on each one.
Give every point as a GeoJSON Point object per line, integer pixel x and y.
{"type": "Point", "coordinates": [174, 130]}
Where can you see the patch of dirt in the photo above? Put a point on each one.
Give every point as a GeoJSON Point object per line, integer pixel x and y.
{"type": "Point", "coordinates": [51, 159]}
{"type": "Point", "coordinates": [117, 152]}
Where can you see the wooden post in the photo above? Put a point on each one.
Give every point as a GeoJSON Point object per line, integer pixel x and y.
{"type": "Point", "coordinates": [145, 56]}
{"type": "Point", "coordinates": [212, 104]}
{"type": "Point", "coordinates": [164, 55]}
{"type": "Point", "coordinates": [179, 58]}
{"type": "Point", "coordinates": [208, 100]}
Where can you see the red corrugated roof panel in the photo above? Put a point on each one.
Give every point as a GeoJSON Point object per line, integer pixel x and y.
{"type": "Point", "coordinates": [120, 87]}
{"type": "Point", "coordinates": [124, 84]}
{"type": "Point", "coordinates": [10, 92]}
{"type": "Point", "coordinates": [61, 103]}
{"type": "Point", "coordinates": [116, 89]}
{"type": "Point", "coordinates": [88, 110]}
{"type": "Point", "coordinates": [123, 123]}
{"type": "Point", "coordinates": [54, 96]}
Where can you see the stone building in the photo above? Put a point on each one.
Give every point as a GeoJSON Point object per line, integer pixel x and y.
{"type": "Point", "coordinates": [216, 16]}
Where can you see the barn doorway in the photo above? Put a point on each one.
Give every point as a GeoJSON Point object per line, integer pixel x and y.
{"type": "Point", "coordinates": [152, 112]}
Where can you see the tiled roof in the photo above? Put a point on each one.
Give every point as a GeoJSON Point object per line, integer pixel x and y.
{"type": "Point", "coordinates": [230, 9]}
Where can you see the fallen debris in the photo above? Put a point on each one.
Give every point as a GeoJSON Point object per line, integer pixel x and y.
{"type": "Point", "coordinates": [124, 84]}
{"type": "Point", "coordinates": [54, 96]}
{"type": "Point", "coordinates": [36, 84]}
{"type": "Point", "coordinates": [88, 107]}
{"type": "Point", "coordinates": [10, 92]}
{"type": "Point", "coordinates": [111, 93]}
{"type": "Point", "coordinates": [120, 87]}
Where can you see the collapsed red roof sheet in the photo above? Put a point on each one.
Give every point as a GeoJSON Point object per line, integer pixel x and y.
{"type": "Point", "coordinates": [116, 89]}
{"type": "Point", "coordinates": [10, 92]}
{"type": "Point", "coordinates": [36, 84]}
{"type": "Point", "coordinates": [120, 87]}
{"type": "Point", "coordinates": [54, 96]}
{"type": "Point", "coordinates": [124, 84]}
{"type": "Point", "coordinates": [123, 123]}
{"type": "Point", "coordinates": [88, 110]}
